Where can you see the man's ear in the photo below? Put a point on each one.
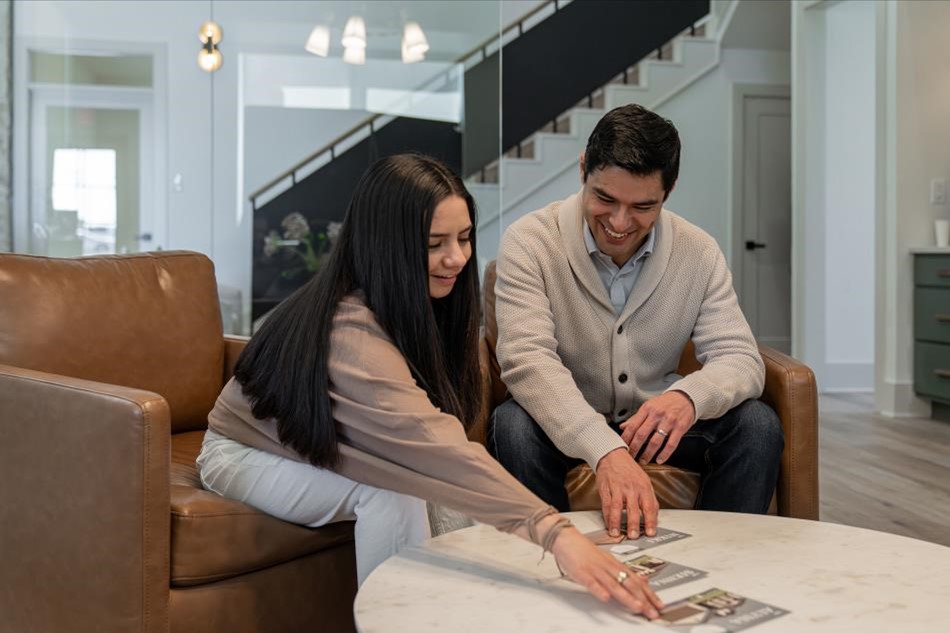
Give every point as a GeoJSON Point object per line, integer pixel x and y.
{"type": "Point", "coordinates": [581, 161]}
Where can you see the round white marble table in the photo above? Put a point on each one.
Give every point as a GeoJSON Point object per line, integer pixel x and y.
{"type": "Point", "coordinates": [830, 577]}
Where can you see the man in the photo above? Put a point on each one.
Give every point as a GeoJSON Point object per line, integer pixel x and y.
{"type": "Point", "coordinates": [596, 297]}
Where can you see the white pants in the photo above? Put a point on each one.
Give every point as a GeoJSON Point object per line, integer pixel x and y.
{"type": "Point", "coordinates": [386, 521]}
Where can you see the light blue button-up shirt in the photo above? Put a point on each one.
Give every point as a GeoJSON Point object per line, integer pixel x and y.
{"type": "Point", "coordinates": [618, 281]}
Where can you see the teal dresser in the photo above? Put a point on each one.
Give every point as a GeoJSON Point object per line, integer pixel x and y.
{"type": "Point", "coordinates": [932, 328]}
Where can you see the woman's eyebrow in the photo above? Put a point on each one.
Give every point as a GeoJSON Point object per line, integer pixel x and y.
{"type": "Point", "coordinates": [468, 228]}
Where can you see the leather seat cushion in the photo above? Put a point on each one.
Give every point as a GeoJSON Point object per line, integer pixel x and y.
{"type": "Point", "coordinates": [213, 538]}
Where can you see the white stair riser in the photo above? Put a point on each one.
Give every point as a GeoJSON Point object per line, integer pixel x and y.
{"type": "Point", "coordinates": [660, 78]}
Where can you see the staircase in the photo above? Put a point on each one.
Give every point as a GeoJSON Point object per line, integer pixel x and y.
{"type": "Point", "coordinates": [544, 167]}
{"type": "Point", "coordinates": [571, 48]}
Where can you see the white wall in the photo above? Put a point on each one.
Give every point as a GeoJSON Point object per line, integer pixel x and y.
{"type": "Point", "coordinates": [276, 138]}
{"type": "Point", "coordinates": [834, 200]}
{"type": "Point", "coordinates": [703, 114]}
{"type": "Point", "coordinates": [848, 212]}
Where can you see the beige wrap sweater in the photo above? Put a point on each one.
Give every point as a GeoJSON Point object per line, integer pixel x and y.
{"type": "Point", "coordinates": [390, 434]}
{"type": "Point", "coordinates": [573, 363]}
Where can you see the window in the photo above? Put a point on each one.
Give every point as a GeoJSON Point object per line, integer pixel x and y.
{"type": "Point", "coordinates": [84, 184]}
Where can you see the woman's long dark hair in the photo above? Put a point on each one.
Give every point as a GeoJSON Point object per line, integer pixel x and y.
{"type": "Point", "coordinates": [382, 250]}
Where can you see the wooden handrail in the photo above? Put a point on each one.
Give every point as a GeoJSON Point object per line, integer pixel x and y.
{"type": "Point", "coordinates": [369, 120]}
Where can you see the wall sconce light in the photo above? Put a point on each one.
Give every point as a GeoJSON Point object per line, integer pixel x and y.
{"type": "Point", "coordinates": [319, 41]}
{"type": "Point", "coordinates": [209, 57]}
{"type": "Point", "coordinates": [414, 43]}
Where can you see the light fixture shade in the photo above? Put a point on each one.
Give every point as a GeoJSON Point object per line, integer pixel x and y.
{"type": "Point", "coordinates": [354, 55]}
{"type": "Point", "coordinates": [414, 43]}
{"type": "Point", "coordinates": [319, 41]}
{"type": "Point", "coordinates": [209, 61]}
{"type": "Point", "coordinates": [409, 57]}
{"type": "Point", "coordinates": [209, 31]}
{"type": "Point", "coordinates": [354, 33]}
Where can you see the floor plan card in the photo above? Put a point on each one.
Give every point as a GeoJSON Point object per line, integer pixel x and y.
{"type": "Point", "coordinates": [716, 611]}
{"type": "Point", "coordinates": [662, 574]}
{"type": "Point", "coordinates": [622, 546]}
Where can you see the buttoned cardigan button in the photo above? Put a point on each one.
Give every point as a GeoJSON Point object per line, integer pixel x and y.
{"type": "Point", "coordinates": [622, 378]}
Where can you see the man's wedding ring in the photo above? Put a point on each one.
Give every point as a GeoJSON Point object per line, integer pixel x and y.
{"type": "Point", "coordinates": [622, 576]}
{"type": "Point", "coordinates": [662, 433]}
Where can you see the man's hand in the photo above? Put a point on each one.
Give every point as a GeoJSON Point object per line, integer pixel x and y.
{"type": "Point", "coordinates": [623, 484]}
{"type": "Point", "coordinates": [665, 417]}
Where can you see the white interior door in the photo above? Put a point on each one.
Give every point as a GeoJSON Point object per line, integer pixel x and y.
{"type": "Point", "coordinates": [766, 203]}
{"type": "Point", "coordinates": [91, 165]}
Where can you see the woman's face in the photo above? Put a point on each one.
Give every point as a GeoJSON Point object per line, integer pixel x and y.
{"type": "Point", "coordinates": [450, 245]}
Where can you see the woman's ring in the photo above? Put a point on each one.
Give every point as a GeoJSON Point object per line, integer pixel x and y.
{"type": "Point", "coordinates": [622, 576]}
{"type": "Point", "coordinates": [662, 433]}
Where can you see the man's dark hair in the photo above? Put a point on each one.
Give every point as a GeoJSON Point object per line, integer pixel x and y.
{"type": "Point", "coordinates": [383, 251]}
{"type": "Point", "coordinates": [633, 138]}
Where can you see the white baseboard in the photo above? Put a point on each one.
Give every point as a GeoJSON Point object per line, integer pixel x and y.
{"type": "Point", "coordinates": [898, 400]}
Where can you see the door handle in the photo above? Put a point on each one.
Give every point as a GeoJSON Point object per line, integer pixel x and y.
{"type": "Point", "coordinates": [751, 245]}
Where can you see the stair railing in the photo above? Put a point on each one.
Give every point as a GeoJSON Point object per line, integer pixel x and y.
{"type": "Point", "coordinates": [374, 122]}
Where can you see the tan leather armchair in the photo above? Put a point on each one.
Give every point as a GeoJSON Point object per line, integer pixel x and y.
{"type": "Point", "coordinates": [789, 388]}
{"type": "Point", "coordinates": [108, 368]}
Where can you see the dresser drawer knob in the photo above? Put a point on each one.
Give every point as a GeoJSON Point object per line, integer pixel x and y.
{"type": "Point", "coordinates": [944, 317]}
{"type": "Point", "coordinates": [942, 373]}
{"type": "Point", "coordinates": [943, 273]}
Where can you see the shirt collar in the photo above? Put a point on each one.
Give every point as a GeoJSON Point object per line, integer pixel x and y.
{"type": "Point", "coordinates": [645, 249]}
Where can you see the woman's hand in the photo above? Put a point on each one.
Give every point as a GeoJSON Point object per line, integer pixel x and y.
{"type": "Point", "coordinates": [589, 566]}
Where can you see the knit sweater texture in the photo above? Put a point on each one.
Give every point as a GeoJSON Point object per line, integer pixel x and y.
{"type": "Point", "coordinates": [574, 364]}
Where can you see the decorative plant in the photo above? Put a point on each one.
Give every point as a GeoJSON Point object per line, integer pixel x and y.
{"type": "Point", "coordinates": [300, 241]}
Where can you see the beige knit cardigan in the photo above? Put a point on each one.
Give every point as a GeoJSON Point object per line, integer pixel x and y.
{"type": "Point", "coordinates": [574, 364]}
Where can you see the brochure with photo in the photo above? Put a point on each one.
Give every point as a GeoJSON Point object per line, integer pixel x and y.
{"type": "Point", "coordinates": [716, 611]}
{"type": "Point", "coordinates": [623, 546]}
{"type": "Point", "coordinates": [662, 574]}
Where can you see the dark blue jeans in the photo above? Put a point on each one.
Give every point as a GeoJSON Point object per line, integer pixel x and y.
{"type": "Point", "coordinates": [737, 456]}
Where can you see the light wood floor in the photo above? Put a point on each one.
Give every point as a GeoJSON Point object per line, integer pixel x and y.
{"type": "Point", "coordinates": [887, 474]}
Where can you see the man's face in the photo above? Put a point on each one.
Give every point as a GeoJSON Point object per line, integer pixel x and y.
{"type": "Point", "coordinates": [620, 208]}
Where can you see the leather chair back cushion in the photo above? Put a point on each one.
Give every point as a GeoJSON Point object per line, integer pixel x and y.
{"type": "Point", "coordinates": [149, 321]}
{"type": "Point", "coordinates": [674, 487]}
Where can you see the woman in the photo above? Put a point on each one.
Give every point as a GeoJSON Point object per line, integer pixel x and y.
{"type": "Point", "coordinates": [347, 403]}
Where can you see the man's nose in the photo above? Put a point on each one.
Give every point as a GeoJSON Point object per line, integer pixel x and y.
{"type": "Point", "coordinates": [619, 220]}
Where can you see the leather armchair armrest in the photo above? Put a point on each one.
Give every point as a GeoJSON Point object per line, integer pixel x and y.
{"type": "Point", "coordinates": [233, 346]}
{"type": "Point", "coordinates": [84, 506]}
{"type": "Point", "coordinates": [790, 389]}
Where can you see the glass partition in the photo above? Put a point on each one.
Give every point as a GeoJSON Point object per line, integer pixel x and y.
{"type": "Point", "coordinates": [247, 145]}
{"type": "Point", "coordinates": [345, 83]}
